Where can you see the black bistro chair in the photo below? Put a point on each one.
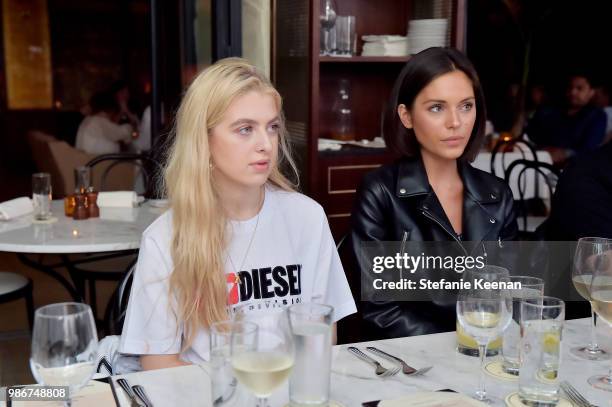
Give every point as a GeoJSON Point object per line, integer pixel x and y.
{"type": "Point", "coordinates": [548, 172]}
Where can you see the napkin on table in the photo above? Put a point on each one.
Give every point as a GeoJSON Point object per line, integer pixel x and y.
{"type": "Point", "coordinates": [15, 207]}
{"type": "Point", "coordinates": [117, 199]}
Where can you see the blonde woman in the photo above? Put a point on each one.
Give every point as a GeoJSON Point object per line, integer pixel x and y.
{"type": "Point", "coordinates": [236, 232]}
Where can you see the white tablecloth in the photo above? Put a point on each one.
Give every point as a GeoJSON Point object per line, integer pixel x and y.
{"type": "Point", "coordinates": [352, 382]}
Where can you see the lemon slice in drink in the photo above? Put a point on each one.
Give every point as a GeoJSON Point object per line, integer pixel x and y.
{"type": "Point", "coordinates": [551, 342]}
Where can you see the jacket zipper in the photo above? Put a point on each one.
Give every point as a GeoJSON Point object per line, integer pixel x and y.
{"type": "Point", "coordinates": [427, 215]}
{"type": "Point", "coordinates": [402, 248]}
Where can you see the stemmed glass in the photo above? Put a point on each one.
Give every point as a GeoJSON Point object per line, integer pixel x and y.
{"type": "Point", "coordinates": [64, 346]}
{"type": "Point", "coordinates": [262, 362]}
{"type": "Point", "coordinates": [327, 18]}
{"type": "Point", "coordinates": [600, 290]}
{"type": "Point", "coordinates": [485, 312]}
{"type": "Point", "coordinates": [582, 275]}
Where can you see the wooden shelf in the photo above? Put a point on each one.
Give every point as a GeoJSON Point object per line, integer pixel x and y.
{"type": "Point", "coordinates": [360, 59]}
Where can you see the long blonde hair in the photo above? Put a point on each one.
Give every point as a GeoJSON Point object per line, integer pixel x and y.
{"type": "Point", "coordinates": [198, 283]}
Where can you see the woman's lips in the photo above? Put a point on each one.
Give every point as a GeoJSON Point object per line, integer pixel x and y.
{"type": "Point", "coordinates": [453, 141]}
{"type": "Point", "coordinates": [261, 165]}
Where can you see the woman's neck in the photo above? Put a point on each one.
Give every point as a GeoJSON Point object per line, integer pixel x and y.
{"type": "Point", "coordinates": [440, 172]}
{"type": "Point", "coordinates": [241, 203]}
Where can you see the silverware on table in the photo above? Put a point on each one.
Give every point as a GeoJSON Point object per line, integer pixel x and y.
{"type": "Point", "coordinates": [134, 401]}
{"type": "Point", "coordinates": [140, 392]}
{"type": "Point", "coordinates": [380, 370]}
{"type": "Point", "coordinates": [406, 368]}
{"type": "Point", "coordinates": [574, 395]}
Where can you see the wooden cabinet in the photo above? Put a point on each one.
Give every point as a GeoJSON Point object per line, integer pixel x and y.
{"type": "Point", "coordinates": [309, 84]}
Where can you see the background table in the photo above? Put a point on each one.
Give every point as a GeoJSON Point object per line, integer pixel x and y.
{"type": "Point", "coordinates": [190, 385]}
{"type": "Point", "coordinates": [116, 232]}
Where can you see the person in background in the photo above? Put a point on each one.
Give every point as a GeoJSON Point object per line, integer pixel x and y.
{"type": "Point", "coordinates": [436, 121]}
{"type": "Point", "coordinates": [100, 132]}
{"type": "Point", "coordinates": [575, 128]}
{"type": "Point", "coordinates": [601, 99]}
{"type": "Point", "coordinates": [121, 93]}
{"type": "Point", "coordinates": [236, 233]}
{"type": "Point", "coordinates": [582, 203]}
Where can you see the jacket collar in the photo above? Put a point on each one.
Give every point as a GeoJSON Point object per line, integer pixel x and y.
{"type": "Point", "coordinates": [412, 182]}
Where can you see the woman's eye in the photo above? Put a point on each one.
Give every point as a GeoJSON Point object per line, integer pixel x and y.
{"type": "Point", "coordinates": [274, 128]}
{"type": "Point", "coordinates": [245, 131]}
{"type": "Point", "coordinates": [435, 108]}
{"type": "Point", "coordinates": [467, 106]}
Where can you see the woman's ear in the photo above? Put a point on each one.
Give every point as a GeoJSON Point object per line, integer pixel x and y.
{"type": "Point", "coordinates": [404, 115]}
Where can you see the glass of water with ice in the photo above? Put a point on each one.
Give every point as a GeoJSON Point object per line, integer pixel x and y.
{"type": "Point", "coordinates": [311, 325]}
{"type": "Point", "coordinates": [540, 350]}
{"type": "Point", "coordinates": [531, 287]}
{"type": "Point", "coordinates": [41, 195]}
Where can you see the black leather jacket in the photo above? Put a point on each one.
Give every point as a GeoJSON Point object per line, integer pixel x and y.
{"type": "Point", "coordinates": [396, 203]}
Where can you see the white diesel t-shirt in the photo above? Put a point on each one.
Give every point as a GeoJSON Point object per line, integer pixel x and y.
{"type": "Point", "coordinates": [292, 259]}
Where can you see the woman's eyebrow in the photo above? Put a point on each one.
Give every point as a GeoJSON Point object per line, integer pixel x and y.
{"type": "Point", "coordinates": [243, 121]}
{"type": "Point", "coordinates": [444, 101]}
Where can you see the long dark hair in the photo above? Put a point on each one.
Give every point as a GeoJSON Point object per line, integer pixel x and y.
{"type": "Point", "coordinates": [423, 68]}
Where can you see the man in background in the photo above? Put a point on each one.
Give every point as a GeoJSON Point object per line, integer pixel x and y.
{"type": "Point", "coordinates": [575, 128]}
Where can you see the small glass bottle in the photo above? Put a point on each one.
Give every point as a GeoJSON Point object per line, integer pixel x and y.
{"type": "Point", "coordinates": [69, 204]}
{"type": "Point", "coordinates": [80, 210]}
{"type": "Point", "coordinates": [343, 128]}
{"type": "Point", "coordinates": [92, 203]}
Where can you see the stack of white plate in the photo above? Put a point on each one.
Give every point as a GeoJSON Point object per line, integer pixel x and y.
{"type": "Point", "coordinates": [423, 34]}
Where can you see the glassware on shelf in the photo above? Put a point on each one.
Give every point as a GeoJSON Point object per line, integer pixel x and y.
{"type": "Point", "coordinates": [343, 128]}
{"type": "Point", "coordinates": [327, 18]}
{"type": "Point", "coordinates": [345, 36]}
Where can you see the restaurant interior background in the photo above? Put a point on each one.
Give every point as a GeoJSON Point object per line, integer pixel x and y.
{"type": "Point", "coordinates": [57, 53]}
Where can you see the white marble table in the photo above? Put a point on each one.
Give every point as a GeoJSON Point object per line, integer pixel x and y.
{"type": "Point", "coordinates": [352, 382]}
{"type": "Point", "coordinates": [115, 229]}
{"type": "Point", "coordinates": [115, 233]}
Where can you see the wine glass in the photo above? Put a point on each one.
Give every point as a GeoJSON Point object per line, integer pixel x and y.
{"type": "Point", "coordinates": [485, 312]}
{"type": "Point", "coordinates": [582, 274]}
{"type": "Point", "coordinates": [64, 346]}
{"type": "Point", "coordinates": [327, 18]}
{"type": "Point", "coordinates": [263, 362]}
{"type": "Point", "coordinates": [600, 292]}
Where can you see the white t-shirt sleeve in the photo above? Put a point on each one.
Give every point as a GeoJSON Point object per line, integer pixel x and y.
{"type": "Point", "coordinates": [331, 286]}
{"type": "Point", "coordinates": [150, 326]}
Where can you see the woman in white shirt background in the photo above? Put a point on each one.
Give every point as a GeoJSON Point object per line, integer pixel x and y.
{"type": "Point", "coordinates": [100, 132]}
{"type": "Point", "coordinates": [236, 233]}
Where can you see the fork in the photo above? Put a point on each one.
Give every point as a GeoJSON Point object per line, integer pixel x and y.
{"type": "Point", "coordinates": [140, 392]}
{"type": "Point", "coordinates": [574, 395]}
{"type": "Point", "coordinates": [406, 369]}
{"type": "Point", "coordinates": [380, 370]}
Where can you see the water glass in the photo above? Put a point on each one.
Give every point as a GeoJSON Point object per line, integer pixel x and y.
{"type": "Point", "coordinates": [311, 325]}
{"type": "Point", "coordinates": [41, 195]}
{"type": "Point", "coordinates": [345, 35]}
{"type": "Point", "coordinates": [223, 381]}
{"type": "Point", "coordinates": [531, 287]}
{"type": "Point", "coordinates": [64, 346]}
{"type": "Point", "coordinates": [540, 351]}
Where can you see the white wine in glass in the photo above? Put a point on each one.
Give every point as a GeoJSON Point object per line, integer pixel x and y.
{"type": "Point", "coordinates": [601, 298]}
{"type": "Point", "coordinates": [64, 346]}
{"type": "Point", "coordinates": [583, 269]}
{"type": "Point", "coordinates": [263, 362]}
{"type": "Point", "coordinates": [485, 314]}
